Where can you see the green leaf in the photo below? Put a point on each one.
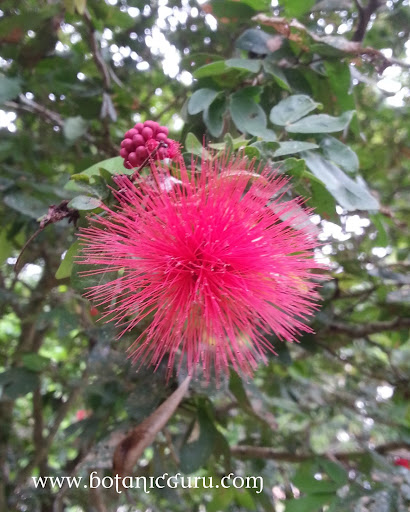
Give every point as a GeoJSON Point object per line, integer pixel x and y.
{"type": "Point", "coordinates": [339, 77]}
{"type": "Point", "coordinates": [340, 154]}
{"type": "Point", "coordinates": [9, 88]}
{"type": "Point", "coordinates": [35, 362]}
{"type": "Point", "coordinates": [26, 204]}
{"type": "Point", "coordinates": [84, 203]}
{"type": "Point", "coordinates": [309, 503]}
{"type": "Point", "coordinates": [112, 165]}
{"type": "Point", "coordinates": [18, 382]}
{"type": "Point", "coordinates": [232, 10]}
{"type": "Point", "coordinates": [283, 354]}
{"type": "Point", "coordinates": [258, 5]}
{"type": "Point", "coordinates": [254, 40]}
{"type": "Point", "coordinates": [293, 166]}
{"type": "Point", "coordinates": [277, 73]}
{"type": "Point", "coordinates": [192, 145]}
{"type": "Point", "coordinates": [252, 152]}
{"type": "Point", "coordinates": [382, 238]}
{"type": "Point", "coordinates": [65, 268]}
{"type": "Point", "coordinates": [236, 387]}
{"type": "Point", "coordinates": [336, 471]}
{"type": "Point", "coordinates": [351, 195]}
{"type": "Point", "coordinates": [6, 247]}
{"type": "Point", "coordinates": [266, 149]}
{"type": "Point", "coordinates": [267, 134]}
{"type": "Point", "coordinates": [229, 142]}
{"type": "Point", "coordinates": [293, 146]}
{"type": "Point", "coordinates": [200, 100]}
{"type": "Point", "coordinates": [322, 200]}
{"type": "Point", "coordinates": [251, 65]}
{"type": "Point", "coordinates": [291, 109]}
{"type": "Point", "coordinates": [221, 500]}
{"type": "Point", "coordinates": [297, 8]}
{"type": "Point", "coordinates": [321, 123]}
{"type": "Point", "coordinates": [214, 117]}
{"type": "Point", "coordinates": [199, 445]}
{"type": "Point", "coordinates": [212, 69]}
{"type": "Point", "coordinates": [306, 482]}
{"type": "Point", "coordinates": [247, 115]}
{"type": "Point", "coordinates": [74, 128]}
{"type": "Point", "coordinates": [81, 282]}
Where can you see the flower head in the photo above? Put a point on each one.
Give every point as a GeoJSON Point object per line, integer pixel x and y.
{"type": "Point", "coordinates": [147, 139]}
{"type": "Point", "coordinates": [212, 262]}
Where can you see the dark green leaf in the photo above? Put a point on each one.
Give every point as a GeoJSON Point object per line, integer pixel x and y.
{"type": "Point", "coordinates": [199, 445]}
{"type": "Point", "coordinates": [237, 389]}
{"type": "Point", "coordinates": [233, 10]}
{"type": "Point", "coordinates": [247, 115]}
{"type": "Point", "coordinates": [35, 362]}
{"type": "Point", "coordinates": [18, 382]}
{"type": "Point", "coordinates": [254, 40]}
{"type": "Point", "coordinates": [6, 247]}
{"type": "Point", "coordinates": [277, 73]}
{"type": "Point", "coordinates": [214, 117]}
{"type": "Point", "coordinates": [200, 100]}
{"type": "Point", "coordinates": [9, 88]}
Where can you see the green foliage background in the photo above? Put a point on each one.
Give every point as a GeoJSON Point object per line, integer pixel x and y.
{"type": "Point", "coordinates": [324, 421]}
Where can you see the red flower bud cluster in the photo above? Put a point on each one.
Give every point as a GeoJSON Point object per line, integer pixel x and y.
{"type": "Point", "coordinates": [399, 461]}
{"type": "Point", "coordinates": [143, 141]}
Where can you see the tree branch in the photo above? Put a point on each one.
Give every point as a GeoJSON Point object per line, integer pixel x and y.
{"type": "Point", "coordinates": [358, 331]}
{"type": "Point", "coordinates": [45, 447]}
{"type": "Point", "coordinates": [263, 452]}
{"type": "Point", "coordinates": [25, 105]}
{"type": "Point", "coordinates": [107, 109]}
{"type": "Point", "coordinates": [365, 13]}
{"type": "Point", "coordinates": [297, 32]}
{"type": "Point", "coordinates": [54, 118]}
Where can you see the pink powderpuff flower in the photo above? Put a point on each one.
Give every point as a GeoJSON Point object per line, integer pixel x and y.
{"type": "Point", "coordinates": [209, 263]}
